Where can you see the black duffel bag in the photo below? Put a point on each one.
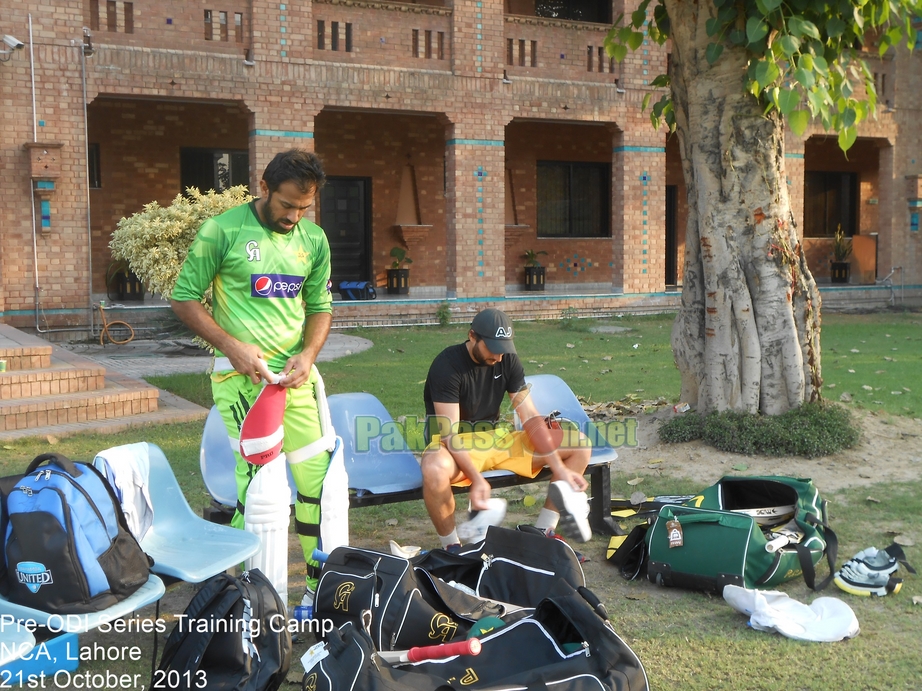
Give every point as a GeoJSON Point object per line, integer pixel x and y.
{"type": "Point", "coordinates": [357, 290]}
{"type": "Point", "coordinates": [567, 644]}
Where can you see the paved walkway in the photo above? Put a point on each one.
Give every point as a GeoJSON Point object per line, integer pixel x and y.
{"type": "Point", "coordinates": [147, 358]}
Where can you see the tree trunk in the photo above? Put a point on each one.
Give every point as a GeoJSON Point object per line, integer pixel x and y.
{"type": "Point", "coordinates": [747, 335]}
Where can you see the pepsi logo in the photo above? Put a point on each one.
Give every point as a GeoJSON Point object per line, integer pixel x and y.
{"type": "Point", "coordinates": [262, 285]}
{"type": "Point", "coordinates": [275, 285]}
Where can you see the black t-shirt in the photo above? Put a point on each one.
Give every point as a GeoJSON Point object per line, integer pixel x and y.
{"type": "Point", "coordinates": [478, 389]}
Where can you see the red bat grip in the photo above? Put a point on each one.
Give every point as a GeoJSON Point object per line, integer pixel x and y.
{"type": "Point", "coordinates": [434, 652]}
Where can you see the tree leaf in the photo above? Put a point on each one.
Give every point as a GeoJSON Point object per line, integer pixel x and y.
{"type": "Point", "coordinates": [713, 52]}
{"type": "Point", "coordinates": [646, 102]}
{"type": "Point", "coordinates": [847, 137]}
{"type": "Point", "coordinates": [809, 29]}
{"type": "Point", "coordinates": [788, 100]}
{"type": "Point", "coordinates": [798, 121]}
{"type": "Point", "coordinates": [635, 40]}
{"type": "Point", "coordinates": [835, 27]}
{"type": "Point", "coordinates": [756, 29]}
{"type": "Point", "coordinates": [771, 5]}
{"type": "Point", "coordinates": [713, 26]}
{"type": "Point", "coordinates": [849, 117]}
{"type": "Point", "coordinates": [618, 51]}
{"type": "Point", "coordinates": [789, 44]}
{"type": "Point", "coordinates": [638, 17]}
{"type": "Point", "coordinates": [661, 80]}
{"type": "Point", "coordinates": [766, 73]}
{"type": "Point", "coordinates": [805, 62]}
{"type": "Point", "coordinates": [805, 78]}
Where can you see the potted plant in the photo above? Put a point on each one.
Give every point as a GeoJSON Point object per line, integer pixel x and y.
{"type": "Point", "coordinates": [534, 272]}
{"type": "Point", "coordinates": [840, 267]}
{"type": "Point", "coordinates": [398, 276]}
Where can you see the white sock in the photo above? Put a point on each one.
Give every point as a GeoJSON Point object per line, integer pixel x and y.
{"type": "Point", "coordinates": [547, 519]}
{"type": "Point", "coordinates": [450, 539]}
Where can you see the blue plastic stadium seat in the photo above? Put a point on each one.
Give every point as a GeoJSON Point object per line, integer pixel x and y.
{"type": "Point", "coordinates": [182, 544]}
{"type": "Point", "coordinates": [368, 432]}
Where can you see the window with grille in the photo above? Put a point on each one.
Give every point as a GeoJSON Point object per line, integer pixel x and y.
{"type": "Point", "coordinates": [573, 199]}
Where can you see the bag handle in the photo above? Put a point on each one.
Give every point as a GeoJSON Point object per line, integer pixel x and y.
{"type": "Point", "coordinates": [57, 459]}
{"type": "Point", "coordinates": [725, 518]}
{"type": "Point", "coordinates": [832, 552]}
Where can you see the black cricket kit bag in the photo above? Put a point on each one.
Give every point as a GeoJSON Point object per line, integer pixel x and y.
{"type": "Point", "coordinates": [434, 597]}
{"type": "Point", "coordinates": [565, 644]}
{"type": "Point", "coordinates": [234, 636]}
{"type": "Point", "coordinates": [67, 547]}
{"type": "Point", "coordinates": [753, 532]}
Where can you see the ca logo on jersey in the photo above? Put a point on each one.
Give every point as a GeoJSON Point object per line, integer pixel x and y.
{"type": "Point", "coordinates": [252, 248]}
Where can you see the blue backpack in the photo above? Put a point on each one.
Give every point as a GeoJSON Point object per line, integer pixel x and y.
{"type": "Point", "coordinates": [66, 545]}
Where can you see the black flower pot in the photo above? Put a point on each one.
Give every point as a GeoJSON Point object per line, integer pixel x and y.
{"type": "Point", "coordinates": [534, 278]}
{"type": "Point", "coordinates": [398, 281]}
{"type": "Point", "coordinates": [840, 271]}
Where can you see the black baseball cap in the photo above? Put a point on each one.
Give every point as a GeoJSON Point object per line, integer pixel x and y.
{"type": "Point", "coordinates": [495, 328]}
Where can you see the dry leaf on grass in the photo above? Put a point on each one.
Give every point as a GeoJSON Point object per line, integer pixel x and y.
{"type": "Point", "coordinates": [635, 481]}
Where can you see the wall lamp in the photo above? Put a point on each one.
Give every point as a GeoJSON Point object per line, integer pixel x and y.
{"type": "Point", "coordinates": [13, 43]}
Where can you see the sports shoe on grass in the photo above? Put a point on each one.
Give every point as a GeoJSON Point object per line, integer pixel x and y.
{"type": "Point", "coordinates": [573, 508]}
{"type": "Point", "coordinates": [857, 579]}
{"type": "Point", "coordinates": [475, 529]}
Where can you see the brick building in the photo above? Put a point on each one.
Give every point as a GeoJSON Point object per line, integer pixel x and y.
{"type": "Point", "coordinates": [464, 131]}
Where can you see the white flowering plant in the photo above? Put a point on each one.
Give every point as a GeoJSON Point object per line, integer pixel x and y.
{"type": "Point", "coordinates": [155, 241]}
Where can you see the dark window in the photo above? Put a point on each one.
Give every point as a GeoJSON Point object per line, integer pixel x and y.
{"type": "Point", "coordinates": [348, 37]}
{"type": "Point", "coordinates": [209, 30]}
{"type": "Point", "coordinates": [238, 27]}
{"type": "Point", "coordinates": [222, 16]}
{"type": "Point", "coordinates": [428, 44]}
{"type": "Point", "coordinates": [94, 176]}
{"type": "Point", "coordinates": [321, 31]}
{"type": "Point", "coordinates": [111, 16]}
{"type": "Point", "coordinates": [510, 51]}
{"type": "Point", "coordinates": [598, 11]}
{"type": "Point", "coordinates": [830, 199]}
{"type": "Point", "coordinates": [334, 35]}
{"type": "Point", "coordinates": [415, 46]}
{"type": "Point", "coordinates": [129, 17]}
{"type": "Point", "coordinates": [213, 169]}
{"type": "Point", "coordinates": [94, 15]}
{"type": "Point", "coordinates": [534, 53]}
{"type": "Point", "coordinates": [441, 45]}
{"type": "Point", "coordinates": [521, 52]}
{"type": "Point", "coordinates": [573, 199]}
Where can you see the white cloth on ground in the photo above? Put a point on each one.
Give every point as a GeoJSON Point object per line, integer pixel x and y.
{"type": "Point", "coordinates": [825, 620]}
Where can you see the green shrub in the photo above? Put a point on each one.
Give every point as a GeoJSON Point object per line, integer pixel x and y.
{"type": "Point", "coordinates": [813, 429]}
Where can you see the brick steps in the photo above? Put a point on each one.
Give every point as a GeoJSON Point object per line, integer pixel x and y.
{"type": "Point", "coordinates": [114, 401]}
{"type": "Point", "coordinates": [49, 390]}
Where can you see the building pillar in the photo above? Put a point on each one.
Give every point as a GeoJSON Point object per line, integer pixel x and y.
{"type": "Point", "coordinates": [475, 203]}
{"type": "Point", "coordinates": [265, 141]}
{"type": "Point", "coordinates": [478, 36]}
{"type": "Point", "coordinates": [794, 167]}
{"type": "Point", "coordinates": [639, 212]}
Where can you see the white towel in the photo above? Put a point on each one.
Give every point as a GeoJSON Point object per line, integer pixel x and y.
{"type": "Point", "coordinates": [127, 468]}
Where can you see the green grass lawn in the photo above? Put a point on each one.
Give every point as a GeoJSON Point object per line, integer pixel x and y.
{"type": "Point", "coordinates": [687, 641]}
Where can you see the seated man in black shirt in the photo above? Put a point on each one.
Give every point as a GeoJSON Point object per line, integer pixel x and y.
{"type": "Point", "coordinates": [464, 390]}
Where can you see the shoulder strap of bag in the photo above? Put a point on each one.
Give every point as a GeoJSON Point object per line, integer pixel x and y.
{"type": "Point", "coordinates": [832, 552]}
{"type": "Point", "coordinates": [631, 557]}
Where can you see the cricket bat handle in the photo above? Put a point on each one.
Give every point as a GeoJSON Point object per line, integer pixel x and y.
{"type": "Point", "coordinates": [773, 546]}
{"type": "Point", "coordinates": [470, 646]}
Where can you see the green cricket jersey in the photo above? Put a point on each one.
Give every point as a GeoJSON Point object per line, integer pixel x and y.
{"type": "Point", "coordinates": [265, 283]}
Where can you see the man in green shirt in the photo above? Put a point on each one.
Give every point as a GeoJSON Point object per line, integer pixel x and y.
{"type": "Point", "coordinates": [269, 269]}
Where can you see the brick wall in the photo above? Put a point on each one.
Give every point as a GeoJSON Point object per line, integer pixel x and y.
{"type": "Point", "coordinates": [139, 147]}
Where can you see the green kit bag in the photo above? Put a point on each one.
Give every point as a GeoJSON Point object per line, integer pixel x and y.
{"type": "Point", "coordinates": [754, 532]}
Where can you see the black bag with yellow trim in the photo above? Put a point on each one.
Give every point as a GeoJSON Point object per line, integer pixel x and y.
{"type": "Point", "coordinates": [437, 596]}
{"type": "Point", "coordinates": [754, 532]}
{"type": "Point", "coordinates": [566, 643]}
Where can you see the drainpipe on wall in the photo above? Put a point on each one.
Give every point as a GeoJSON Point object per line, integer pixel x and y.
{"type": "Point", "coordinates": [87, 50]}
{"type": "Point", "coordinates": [37, 287]}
